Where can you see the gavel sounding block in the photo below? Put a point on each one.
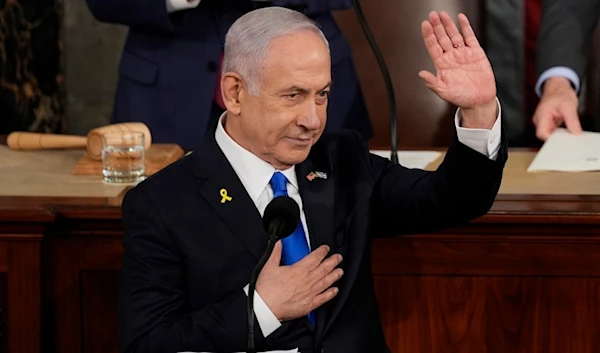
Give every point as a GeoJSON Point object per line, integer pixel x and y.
{"type": "Point", "coordinates": [157, 157]}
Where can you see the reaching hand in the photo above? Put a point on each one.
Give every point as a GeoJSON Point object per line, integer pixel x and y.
{"type": "Point", "coordinates": [557, 105]}
{"type": "Point", "coordinates": [464, 74]}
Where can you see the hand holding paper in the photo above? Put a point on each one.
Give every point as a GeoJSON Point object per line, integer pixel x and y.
{"type": "Point", "coordinates": [567, 152]}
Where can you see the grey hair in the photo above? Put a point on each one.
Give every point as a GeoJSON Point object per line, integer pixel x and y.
{"type": "Point", "coordinates": [248, 40]}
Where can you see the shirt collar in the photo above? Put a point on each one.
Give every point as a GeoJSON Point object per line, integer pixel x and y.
{"type": "Point", "coordinates": [253, 172]}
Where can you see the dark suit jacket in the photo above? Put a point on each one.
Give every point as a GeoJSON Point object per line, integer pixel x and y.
{"type": "Point", "coordinates": [187, 256]}
{"type": "Point", "coordinates": [168, 70]}
{"type": "Point", "coordinates": [565, 35]}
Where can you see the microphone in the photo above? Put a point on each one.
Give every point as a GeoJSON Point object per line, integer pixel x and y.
{"type": "Point", "coordinates": [386, 78]}
{"type": "Point", "coordinates": [280, 219]}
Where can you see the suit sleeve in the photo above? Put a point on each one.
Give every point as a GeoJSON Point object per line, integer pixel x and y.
{"type": "Point", "coordinates": [565, 34]}
{"type": "Point", "coordinates": [135, 13]}
{"type": "Point", "coordinates": [407, 201]}
{"type": "Point", "coordinates": [152, 301]}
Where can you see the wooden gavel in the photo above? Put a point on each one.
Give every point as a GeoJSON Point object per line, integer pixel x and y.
{"type": "Point", "coordinates": [92, 142]}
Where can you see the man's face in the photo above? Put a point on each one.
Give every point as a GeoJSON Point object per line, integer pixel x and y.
{"type": "Point", "coordinates": [288, 115]}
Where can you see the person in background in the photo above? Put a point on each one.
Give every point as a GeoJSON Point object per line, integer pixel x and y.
{"type": "Point", "coordinates": [170, 66]}
{"type": "Point", "coordinates": [562, 51]}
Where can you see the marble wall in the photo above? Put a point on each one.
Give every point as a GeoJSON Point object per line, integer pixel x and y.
{"type": "Point", "coordinates": [92, 52]}
{"type": "Point", "coordinates": [31, 82]}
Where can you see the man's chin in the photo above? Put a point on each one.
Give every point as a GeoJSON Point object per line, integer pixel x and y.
{"type": "Point", "coordinates": [295, 156]}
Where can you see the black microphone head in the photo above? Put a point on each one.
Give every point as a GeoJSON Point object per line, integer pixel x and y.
{"type": "Point", "coordinates": [281, 217]}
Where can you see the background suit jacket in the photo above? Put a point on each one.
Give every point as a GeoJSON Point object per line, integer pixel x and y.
{"type": "Point", "coordinates": [187, 256]}
{"type": "Point", "coordinates": [168, 69]}
{"type": "Point", "coordinates": [565, 34]}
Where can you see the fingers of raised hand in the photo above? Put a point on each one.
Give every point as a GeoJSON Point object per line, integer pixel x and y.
{"type": "Point", "coordinates": [446, 33]}
{"type": "Point", "coordinates": [467, 31]}
{"type": "Point", "coordinates": [451, 30]}
{"type": "Point", "coordinates": [440, 32]}
{"type": "Point", "coordinates": [431, 43]}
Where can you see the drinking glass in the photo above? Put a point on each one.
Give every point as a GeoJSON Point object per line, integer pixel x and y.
{"type": "Point", "coordinates": [123, 157]}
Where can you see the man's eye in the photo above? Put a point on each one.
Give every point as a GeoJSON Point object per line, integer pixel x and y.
{"type": "Point", "coordinates": [323, 94]}
{"type": "Point", "coordinates": [293, 95]}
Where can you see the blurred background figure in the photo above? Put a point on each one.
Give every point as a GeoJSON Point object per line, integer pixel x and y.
{"type": "Point", "coordinates": [564, 45]}
{"type": "Point", "coordinates": [66, 71]}
{"type": "Point", "coordinates": [169, 69]}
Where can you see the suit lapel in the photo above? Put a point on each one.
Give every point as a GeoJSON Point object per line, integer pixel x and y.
{"type": "Point", "coordinates": [214, 173]}
{"type": "Point", "coordinates": [317, 201]}
{"type": "Point", "coordinates": [318, 206]}
{"type": "Point", "coordinates": [239, 213]}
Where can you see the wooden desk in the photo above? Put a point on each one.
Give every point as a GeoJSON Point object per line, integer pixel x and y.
{"type": "Point", "coordinates": [524, 278]}
{"type": "Point", "coordinates": [59, 241]}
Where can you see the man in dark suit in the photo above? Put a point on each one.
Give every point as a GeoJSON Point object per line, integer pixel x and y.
{"type": "Point", "coordinates": [193, 231]}
{"type": "Point", "coordinates": [169, 68]}
{"type": "Point", "coordinates": [562, 51]}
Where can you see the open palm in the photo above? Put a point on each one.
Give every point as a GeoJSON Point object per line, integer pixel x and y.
{"type": "Point", "coordinates": [464, 75]}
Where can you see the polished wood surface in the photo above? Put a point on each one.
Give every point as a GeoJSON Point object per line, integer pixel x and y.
{"type": "Point", "coordinates": [21, 232]}
{"type": "Point", "coordinates": [523, 278]}
{"type": "Point", "coordinates": [3, 308]}
{"type": "Point", "coordinates": [34, 174]}
{"type": "Point", "coordinates": [518, 181]}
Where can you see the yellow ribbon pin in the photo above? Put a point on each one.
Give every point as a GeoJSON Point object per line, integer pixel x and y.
{"type": "Point", "coordinates": [224, 196]}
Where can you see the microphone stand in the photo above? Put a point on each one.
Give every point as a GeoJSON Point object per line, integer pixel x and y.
{"type": "Point", "coordinates": [386, 78]}
{"type": "Point", "coordinates": [255, 272]}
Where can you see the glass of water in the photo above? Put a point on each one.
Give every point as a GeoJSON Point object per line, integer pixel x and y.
{"type": "Point", "coordinates": [123, 157]}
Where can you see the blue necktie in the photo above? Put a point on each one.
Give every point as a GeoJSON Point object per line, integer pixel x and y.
{"type": "Point", "coordinates": [295, 247]}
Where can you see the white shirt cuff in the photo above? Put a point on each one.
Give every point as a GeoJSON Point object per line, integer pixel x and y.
{"type": "Point", "coordinates": [177, 5]}
{"type": "Point", "coordinates": [558, 71]}
{"type": "Point", "coordinates": [267, 321]}
{"type": "Point", "coordinates": [484, 141]}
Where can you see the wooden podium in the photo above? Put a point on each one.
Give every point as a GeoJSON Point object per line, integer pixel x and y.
{"type": "Point", "coordinates": [523, 278]}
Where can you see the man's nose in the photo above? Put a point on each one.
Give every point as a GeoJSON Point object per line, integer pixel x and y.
{"type": "Point", "coordinates": [309, 118]}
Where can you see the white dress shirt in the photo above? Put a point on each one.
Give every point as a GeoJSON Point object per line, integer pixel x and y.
{"type": "Point", "coordinates": [255, 175]}
{"type": "Point", "coordinates": [178, 5]}
{"type": "Point", "coordinates": [557, 71]}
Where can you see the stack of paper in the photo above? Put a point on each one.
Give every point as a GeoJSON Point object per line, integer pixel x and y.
{"type": "Point", "coordinates": [566, 152]}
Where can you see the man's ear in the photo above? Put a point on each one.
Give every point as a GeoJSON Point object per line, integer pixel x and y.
{"type": "Point", "coordinates": [232, 88]}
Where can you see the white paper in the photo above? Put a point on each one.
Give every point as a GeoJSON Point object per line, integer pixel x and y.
{"type": "Point", "coordinates": [412, 159]}
{"type": "Point", "coordinates": [290, 351]}
{"type": "Point", "coordinates": [566, 152]}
